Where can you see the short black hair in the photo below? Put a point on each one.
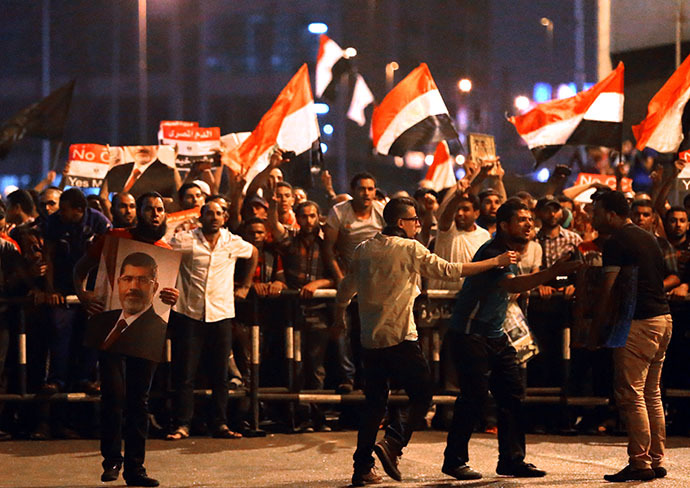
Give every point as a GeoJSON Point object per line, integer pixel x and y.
{"type": "Point", "coordinates": [307, 203]}
{"type": "Point", "coordinates": [75, 198]}
{"type": "Point", "coordinates": [23, 200]}
{"type": "Point", "coordinates": [396, 209]}
{"type": "Point", "coordinates": [509, 209]}
{"type": "Point", "coordinates": [364, 175]}
{"type": "Point", "coordinates": [140, 260]}
{"type": "Point", "coordinates": [674, 209]}
{"type": "Point", "coordinates": [285, 184]}
{"type": "Point", "coordinates": [472, 198]}
{"type": "Point", "coordinates": [145, 196]}
{"type": "Point", "coordinates": [255, 220]}
{"type": "Point", "coordinates": [183, 189]}
{"type": "Point", "coordinates": [117, 197]}
{"type": "Point", "coordinates": [613, 201]}
{"type": "Point", "coordinates": [641, 203]}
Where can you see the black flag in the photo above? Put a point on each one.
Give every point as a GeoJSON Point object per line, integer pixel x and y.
{"type": "Point", "coordinates": [44, 119]}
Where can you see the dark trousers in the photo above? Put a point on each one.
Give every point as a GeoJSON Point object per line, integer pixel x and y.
{"type": "Point", "coordinates": [191, 339]}
{"type": "Point", "coordinates": [70, 360]}
{"type": "Point", "coordinates": [125, 385]}
{"type": "Point", "coordinates": [485, 364]}
{"type": "Point", "coordinates": [405, 366]}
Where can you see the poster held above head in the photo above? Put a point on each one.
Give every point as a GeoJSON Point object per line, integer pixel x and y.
{"type": "Point", "coordinates": [194, 144]}
{"type": "Point", "coordinates": [88, 165]}
{"type": "Point", "coordinates": [130, 276]}
{"type": "Point", "coordinates": [140, 169]}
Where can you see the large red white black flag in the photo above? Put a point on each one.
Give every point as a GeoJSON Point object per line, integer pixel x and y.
{"type": "Point", "coordinates": [593, 117]}
{"type": "Point", "coordinates": [667, 123]}
{"type": "Point", "coordinates": [331, 65]}
{"type": "Point", "coordinates": [412, 115]}
{"type": "Point", "coordinates": [290, 124]}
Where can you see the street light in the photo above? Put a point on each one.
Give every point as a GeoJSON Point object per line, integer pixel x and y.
{"type": "Point", "coordinates": [522, 103]}
{"type": "Point", "coordinates": [465, 85]}
{"type": "Point", "coordinates": [350, 52]}
{"type": "Point", "coordinates": [391, 68]}
{"type": "Point", "coordinates": [548, 23]}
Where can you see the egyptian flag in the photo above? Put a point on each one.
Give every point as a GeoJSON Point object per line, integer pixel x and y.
{"type": "Point", "coordinates": [44, 119]}
{"type": "Point", "coordinates": [331, 65]}
{"type": "Point", "coordinates": [440, 173]}
{"type": "Point", "coordinates": [412, 115]}
{"type": "Point", "coordinates": [290, 124]}
{"type": "Point", "coordinates": [668, 120]}
{"type": "Point", "coordinates": [593, 117]}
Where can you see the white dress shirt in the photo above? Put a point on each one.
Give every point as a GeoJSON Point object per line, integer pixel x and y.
{"type": "Point", "coordinates": [384, 273]}
{"type": "Point", "coordinates": [205, 280]}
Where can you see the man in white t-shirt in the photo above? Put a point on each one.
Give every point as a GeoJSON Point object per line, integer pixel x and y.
{"type": "Point", "coordinates": [348, 224]}
{"type": "Point", "coordinates": [353, 221]}
{"type": "Point", "coordinates": [458, 236]}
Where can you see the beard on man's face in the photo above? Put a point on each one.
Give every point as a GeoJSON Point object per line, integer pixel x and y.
{"type": "Point", "coordinates": [149, 232]}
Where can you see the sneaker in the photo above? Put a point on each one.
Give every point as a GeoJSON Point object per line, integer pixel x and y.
{"type": "Point", "coordinates": [631, 474]}
{"type": "Point", "coordinates": [519, 470]}
{"type": "Point", "coordinates": [362, 478]}
{"type": "Point", "coordinates": [660, 472]}
{"type": "Point", "coordinates": [463, 472]}
{"type": "Point", "coordinates": [389, 458]}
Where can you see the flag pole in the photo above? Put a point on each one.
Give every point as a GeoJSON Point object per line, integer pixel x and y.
{"type": "Point", "coordinates": [56, 155]}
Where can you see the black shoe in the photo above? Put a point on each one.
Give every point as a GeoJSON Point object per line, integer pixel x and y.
{"type": "Point", "coordinates": [519, 470]}
{"type": "Point", "coordinates": [362, 478]}
{"type": "Point", "coordinates": [110, 473]}
{"type": "Point", "coordinates": [345, 388]}
{"type": "Point", "coordinates": [660, 472]}
{"type": "Point", "coordinates": [389, 458]}
{"type": "Point", "coordinates": [5, 436]}
{"type": "Point", "coordinates": [140, 480]}
{"type": "Point", "coordinates": [463, 472]}
{"type": "Point", "coordinates": [631, 474]}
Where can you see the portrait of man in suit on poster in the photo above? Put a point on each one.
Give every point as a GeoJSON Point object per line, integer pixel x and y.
{"type": "Point", "coordinates": [134, 329]}
{"type": "Point", "coordinates": [138, 169]}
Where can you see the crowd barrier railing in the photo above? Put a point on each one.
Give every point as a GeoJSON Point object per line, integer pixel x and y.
{"type": "Point", "coordinates": [558, 395]}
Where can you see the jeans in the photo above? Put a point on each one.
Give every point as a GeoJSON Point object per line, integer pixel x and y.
{"type": "Point", "coordinates": [191, 339]}
{"type": "Point", "coordinates": [636, 385]}
{"type": "Point", "coordinates": [402, 364]}
{"type": "Point", "coordinates": [485, 364]}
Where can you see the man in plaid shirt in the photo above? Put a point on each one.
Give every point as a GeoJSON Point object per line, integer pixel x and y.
{"type": "Point", "coordinates": [306, 268]}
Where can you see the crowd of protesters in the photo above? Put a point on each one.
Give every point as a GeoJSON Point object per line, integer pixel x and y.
{"type": "Point", "coordinates": [283, 240]}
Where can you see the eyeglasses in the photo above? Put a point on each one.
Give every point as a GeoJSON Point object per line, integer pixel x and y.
{"type": "Point", "coordinates": [416, 219]}
{"type": "Point", "coordinates": [140, 280]}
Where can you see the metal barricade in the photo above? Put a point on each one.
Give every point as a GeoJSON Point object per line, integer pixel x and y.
{"type": "Point", "coordinates": [291, 393]}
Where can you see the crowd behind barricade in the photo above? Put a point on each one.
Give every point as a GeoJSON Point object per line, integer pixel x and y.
{"type": "Point", "coordinates": [268, 236]}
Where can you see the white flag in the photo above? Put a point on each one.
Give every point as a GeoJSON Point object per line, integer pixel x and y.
{"type": "Point", "coordinates": [361, 98]}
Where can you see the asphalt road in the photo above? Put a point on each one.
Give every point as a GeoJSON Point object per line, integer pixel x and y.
{"type": "Point", "coordinates": [325, 460]}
